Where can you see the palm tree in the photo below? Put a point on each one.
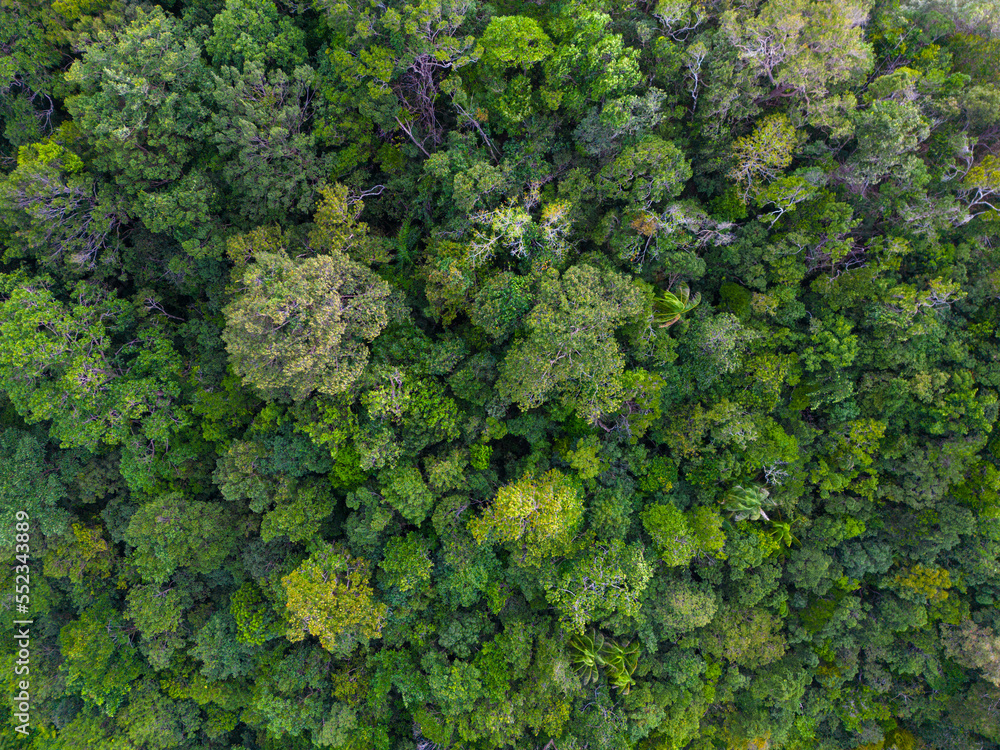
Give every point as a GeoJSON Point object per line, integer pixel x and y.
{"type": "Point", "coordinates": [621, 662]}
{"type": "Point", "coordinates": [747, 503]}
{"type": "Point", "coordinates": [587, 656]}
{"type": "Point", "coordinates": [668, 307]}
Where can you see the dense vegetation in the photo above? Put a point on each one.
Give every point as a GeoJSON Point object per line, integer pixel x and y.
{"type": "Point", "coordinates": [401, 374]}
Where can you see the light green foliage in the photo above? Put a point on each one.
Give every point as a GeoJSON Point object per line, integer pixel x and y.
{"type": "Point", "coordinates": [570, 349]}
{"type": "Point", "coordinates": [679, 537]}
{"type": "Point", "coordinates": [81, 553]}
{"type": "Point", "coordinates": [59, 362]}
{"type": "Point", "coordinates": [329, 596]}
{"type": "Point", "coordinates": [154, 609]}
{"type": "Point", "coordinates": [749, 637]}
{"type": "Point", "coordinates": [588, 64]}
{"type": "Point", "coordinates": [747, 503]}
{"type": "Point", "coordinates": [537, 517]}
{"type": "Point", "coordinates": [511, 227]}
{"type": "Point", "coordinates": [621, 662]}
{"type": "Point", "coordinates": [407, 562]}
{"type": "Point", "coordinates": [51, 208]}
{"type": "Point", "coordinates": [297, 327]}
{"type": "Point", "coordinates": [514, 41]}
{"type": "Point", "coordinates": [588, 654]}
{"type": "Point", "coordinates": [601, 581]}
{"type": "Point", "coordinates": [509, 44]}
{"type": "Point", "coordinates": [255, 619]}
{"type": "Point", "coordinates": [922, 583]}
{"type": "Point", "coordinates": [706, 526]}
{"type": "Point", "coordinates": [668, 307]}
{"type": "Point", "coordinates": [982, 185]}
{"type": "Point", "coordinates": [802, 46]}
{"type": "Point", "coordinates": [669, 530]}
{"type": "Point", "coordinates": [584, 459]}
{"type": "Point", "coordinates": [251, 31]}
{"type": "Point", "coordinates": [833, 345]}
{"type": "Point", "coordinates": [100, 662]}
{"type": "Point", "coordinates": [761, 156]}
{"type": "Point", "coordinates": [677, 607]}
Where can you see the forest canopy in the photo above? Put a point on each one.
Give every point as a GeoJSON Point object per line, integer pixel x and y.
{"type": "Point", "coordinates": [572, 375]}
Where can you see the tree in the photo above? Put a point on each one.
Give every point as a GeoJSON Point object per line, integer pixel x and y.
{"type": "Point", "coordinates": [570, 349]}
{"type": "Point", "coordinates": [27, 487]}
{"type": "Point", "coordinates": [300, 326]}
{"type": "Point", "coordinates": [536, 518]}
{"type": "Point", "coordinates": [54, 208]}
{"type": "Point", "coordinates": [143, 105]}
{"type": "Point", "coordinates": [512, 46]}
{"type": "Point", "coordinates": [747, 503]}
{"type": "Point", "coordinates": [670, 532]}
{"type": "Point", "coordinates": [251, 32]}
{"type": "Point", "coordinates": [407, 562]}
{"type": "Point", "coordinates": [100, 660]}
{"type": "Point", "coordinates": [271, 161]}
{"type": "Point", "coordinates": [329, 596]}
{"type": "Point", "coordinates": [397, 82]}
{"type": "Point", "coordinates": [975, 647]}
{"type": "Point", "coordinates": [760, 156]}
{"type": "Point", "coordinates": [588, 65]}
{"type": "Point", "coordinates": [981, 186]}
{"type": "Point", "coordinates": [668, 307]}
{"type": "Point", "coordinates": [602, 581]}
{"type": "Point", "coordinates": [646, 174]}
{"type": "Point", "coordinates": [749, 637]}
{"type": "Point", "coordinates": [83, 364]}
{"type": "Point", "coordinates": [888, 132]}
{"type": "Point", "coordinates": [802, 46]}
{"type": "Point", "coordinates": [171, 531]}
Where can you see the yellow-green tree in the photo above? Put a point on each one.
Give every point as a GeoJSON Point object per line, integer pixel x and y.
{"type": "Point", "coordinates": [329, 596]}
{"type": "Point", "coordinates": [760, 156]}
{"type": "Point", "coordinates": [536, 517]}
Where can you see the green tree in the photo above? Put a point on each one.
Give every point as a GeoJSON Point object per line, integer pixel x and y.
{"type": "Point", "coordinates": [252, 31]}
{"type": "Point", "coordinates": [142, 102]}
{"type": "Point", "coordinates": [602, 581]}
{"type": "Point", "coordinates": [297, 327]}
{"type": "Point", "coordinates": [760, 157]}
{"type": "Point", "coordinates": [83, 365]}
{"type": "Point", "coordinates": [570, 348]}
{"type": "Point", "coordinates": [27, 486]}
{"type": "Point", "coordinates": [271, 164]}
{"type": "Point", "coordinates": [53, 207]}
{"type": "Point", "coordinates": [670, 532]}
{"type": "Point", "coordinates": [171, 531]}
{"type": "Point", "coordinates": [100, 660]}
{"type": "Point", "coordinates": [802, 46]}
